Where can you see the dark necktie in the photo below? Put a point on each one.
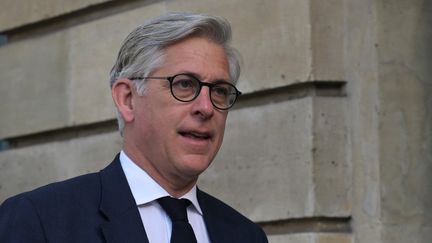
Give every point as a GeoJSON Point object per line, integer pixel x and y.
{"type": "Point", "coordinates": [182, 231]}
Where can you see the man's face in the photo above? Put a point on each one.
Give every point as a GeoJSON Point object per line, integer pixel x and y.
{"type": "Point", "coordinates": [178, 140]}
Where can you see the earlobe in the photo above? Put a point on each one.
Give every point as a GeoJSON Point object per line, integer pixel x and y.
{"type": "Point", "coordinates": [121, 92]}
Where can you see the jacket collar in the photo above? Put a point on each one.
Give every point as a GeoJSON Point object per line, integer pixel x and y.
{"type": "Point", "coordinates": [119, 207]}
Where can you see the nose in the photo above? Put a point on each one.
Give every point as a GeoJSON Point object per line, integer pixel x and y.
{"type": "Point", "coordinates": [202, 105]}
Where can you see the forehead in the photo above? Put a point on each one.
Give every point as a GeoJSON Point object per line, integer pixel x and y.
{"type": "Point", "coordinates": [199, 56]}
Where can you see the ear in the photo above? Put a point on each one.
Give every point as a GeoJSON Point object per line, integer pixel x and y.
{"type": "Point", "coordinates": [122, 92]}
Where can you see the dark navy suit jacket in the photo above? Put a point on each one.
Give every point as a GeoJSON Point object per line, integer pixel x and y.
{"type": "Point", "coordinates": [99, 207]}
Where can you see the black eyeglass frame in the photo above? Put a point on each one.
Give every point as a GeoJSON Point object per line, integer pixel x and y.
{"type": "Point", "coordinates": [200, 83]}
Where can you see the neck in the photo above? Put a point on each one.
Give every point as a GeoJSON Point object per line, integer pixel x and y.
{"type": "Point", "coordinates": [175, 185]}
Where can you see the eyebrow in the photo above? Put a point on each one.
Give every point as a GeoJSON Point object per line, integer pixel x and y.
{"type": "Point", "coordinates": [196, 75]}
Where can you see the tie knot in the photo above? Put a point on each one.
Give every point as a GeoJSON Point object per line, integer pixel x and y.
{"type": "Point", "coordinates": [175, 208]}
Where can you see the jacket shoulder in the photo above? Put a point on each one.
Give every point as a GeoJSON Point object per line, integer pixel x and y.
{"type": "Point", "coordinates": [75, 188]}
{"type": "Point", "coordinates": [28, 216]}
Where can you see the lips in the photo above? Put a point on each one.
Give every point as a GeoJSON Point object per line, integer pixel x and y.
{"type": "Point", "coordinates": [198, 135]}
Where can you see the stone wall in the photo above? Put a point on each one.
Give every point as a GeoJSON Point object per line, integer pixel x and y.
{"type": "Point", "coordinates": [331, 141]}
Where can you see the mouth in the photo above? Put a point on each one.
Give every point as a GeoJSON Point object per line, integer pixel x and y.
{"type": "Point", "coordinates": [196, 135]}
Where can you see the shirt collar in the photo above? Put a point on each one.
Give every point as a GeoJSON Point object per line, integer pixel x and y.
{"type": "Point", "coordinates": [145, 189]}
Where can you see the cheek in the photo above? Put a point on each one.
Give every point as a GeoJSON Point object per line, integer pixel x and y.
{"type": "Point", "coordinates": [223, 119]}
{"type": "Point", "coordinates": [221, 126]}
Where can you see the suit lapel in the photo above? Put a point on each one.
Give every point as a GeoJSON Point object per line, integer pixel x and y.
{"type": "Point", "coordinates": [218, 228]}
{"type": "Point", "coordinates": [119, 207]}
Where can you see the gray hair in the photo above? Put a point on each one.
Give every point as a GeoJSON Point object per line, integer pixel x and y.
{"type": "Point", "coordinates": [143, 49]}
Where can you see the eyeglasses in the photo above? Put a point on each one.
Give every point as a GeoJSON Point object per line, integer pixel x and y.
{"type": "Point", "coordinates": [186, 87]}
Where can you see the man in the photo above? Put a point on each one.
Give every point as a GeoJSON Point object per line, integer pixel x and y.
{"type": "Point", "coordinates": [172, 84]}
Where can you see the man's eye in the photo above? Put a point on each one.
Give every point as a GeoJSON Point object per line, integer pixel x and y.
{"type": "Point", "coordinates": [184, 84]}
{"type": "Point", "coordinates": [221, 91]}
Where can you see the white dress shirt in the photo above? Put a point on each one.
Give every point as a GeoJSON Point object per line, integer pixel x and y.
{"type": "Point", "coordinates": [156, 222]}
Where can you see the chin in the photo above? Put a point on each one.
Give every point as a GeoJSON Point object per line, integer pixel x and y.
{"type": "Point", "coordinates": [195, 166]}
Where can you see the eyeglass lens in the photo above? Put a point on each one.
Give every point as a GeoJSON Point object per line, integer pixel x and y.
{"type": "Point", "coordinates": [186, 88]}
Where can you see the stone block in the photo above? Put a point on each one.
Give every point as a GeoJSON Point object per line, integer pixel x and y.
{"type": "Point", "coordinates": [267, 168]}
{"type": "Point", "coordinates": [327, 39]}
{"type": "Point", "coordinates": [34, 85]}
{"type": "Point", "coordinates": [332, 168]}
{"type": "Point", "coordinates": [406, 134]}
{"type": "Point", "coordinates": [311, 238]}
{"type": "Point", "coordinates": [81, 57]}
{"type": "Point", "coordinates": [67, 83]}
{"type": "Point", "coordinates": [366, 230]}
{"type": "Point", "coordinates": [363, 89]}
{"type": "Point", "coordinates": [405, 108]}
{"type": "Point", "coordinates": [92, 51]}
{"type": "Point", "coordinates": [333, 238]}
{"type": "Point", "coordinates": [264, 168]}
{"type": "Point", "coordinates": [291, 238]}
{"type": "Point", "coordinates": [412, 232]}
{"type": "Point", "coordinates": [27, 168]}
{"type": "Point", "coordinates": [272, 36]}
{"type": "Point", "coordinates": [21, 12]}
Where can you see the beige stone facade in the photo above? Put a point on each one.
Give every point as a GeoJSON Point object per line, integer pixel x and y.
{"type": "Point", "coordinates": [331, 142]}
